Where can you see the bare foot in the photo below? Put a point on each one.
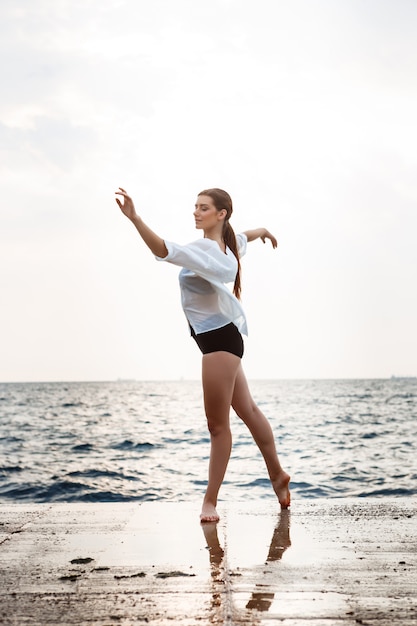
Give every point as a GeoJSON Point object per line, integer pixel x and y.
{"type": "Point", "coordinates": [209, 514]}
{"type": "Point", "coordinates": [281, 488]}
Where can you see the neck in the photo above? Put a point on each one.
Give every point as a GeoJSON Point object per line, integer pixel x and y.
{"type": "Point", "coordinates": [214, 233]}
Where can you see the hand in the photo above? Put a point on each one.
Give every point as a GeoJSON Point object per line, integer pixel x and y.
{"type": "Point", "coordinates": [127, 207]}
{"type": "Point", "coordinates": [267, 235]}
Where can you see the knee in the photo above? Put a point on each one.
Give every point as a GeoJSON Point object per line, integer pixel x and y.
{"type": "Point", "coordinates": [217, 427]}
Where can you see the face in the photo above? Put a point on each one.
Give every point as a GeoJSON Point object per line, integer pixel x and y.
{"type": "Point", "coordinates": [206, 216]}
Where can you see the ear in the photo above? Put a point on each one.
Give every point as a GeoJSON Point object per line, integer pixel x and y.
{"type": "Point", "coordinates": [221, 215]}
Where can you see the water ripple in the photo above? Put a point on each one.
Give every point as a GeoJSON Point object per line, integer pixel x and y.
{"type": "Point", "coordinates": [136, 441]}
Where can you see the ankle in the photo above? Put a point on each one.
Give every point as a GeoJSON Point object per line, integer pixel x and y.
{"type": "Point", "coordinates": [280, 477]}
{"type": "Point", "coordinates": [209, 501]}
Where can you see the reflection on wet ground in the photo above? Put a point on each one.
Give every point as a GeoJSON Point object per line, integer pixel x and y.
{"type": "Point", "coordinates": [280, 542]}
{"type": "Point", "coordinates": [260, 600]}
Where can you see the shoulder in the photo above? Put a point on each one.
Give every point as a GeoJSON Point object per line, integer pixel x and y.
{"type": "Point", "coordinates": [203, 243]}
{"type": "Point", "coordinates": [206, 246]}
{"type": "Point", "coordinates": [196, 251]}
{"type": "Point", "coordinates": [192, 246]}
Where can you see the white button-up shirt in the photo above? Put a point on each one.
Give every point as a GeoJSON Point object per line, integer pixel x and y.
{"type": "Point", "coordinates": [206, 300]}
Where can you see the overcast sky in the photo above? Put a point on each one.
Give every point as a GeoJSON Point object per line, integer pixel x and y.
{"type": "Point", "coordinates": [304, 111]}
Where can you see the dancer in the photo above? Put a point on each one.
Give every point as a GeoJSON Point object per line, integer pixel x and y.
{"type": "Point", "coordinates": [217, 322]}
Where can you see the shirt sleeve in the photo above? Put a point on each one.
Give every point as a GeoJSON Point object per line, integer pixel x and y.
{"type": "Point", "coordinates": [204, 258]}
{"type": "Point", "coordinates": [242, 243]}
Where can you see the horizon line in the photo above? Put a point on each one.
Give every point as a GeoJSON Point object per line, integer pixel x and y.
{"type": "Point", "coordinates": [183, 379]}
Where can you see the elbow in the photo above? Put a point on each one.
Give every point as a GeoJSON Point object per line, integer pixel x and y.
{"type": "Point", "coordinates": [161, 250]}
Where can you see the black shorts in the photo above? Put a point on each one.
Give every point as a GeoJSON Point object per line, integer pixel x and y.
{"type": "Point", "coordinates": [224, 339]}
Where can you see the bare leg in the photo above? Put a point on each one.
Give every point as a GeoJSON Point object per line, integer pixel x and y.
{"type": "Point", "coordinates": [261, 431]}
{"type": "Point", "coordinates": [219, 374]}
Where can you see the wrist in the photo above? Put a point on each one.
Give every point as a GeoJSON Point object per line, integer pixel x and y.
{"type": "Point", "coordinates": [135, 219]}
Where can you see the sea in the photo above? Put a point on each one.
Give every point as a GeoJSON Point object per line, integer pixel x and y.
{"type": "Point", "coordinates": [126, 441]}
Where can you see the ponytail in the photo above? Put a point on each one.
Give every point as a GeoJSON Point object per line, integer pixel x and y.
{"type": "Point", "coordinates": [229, 239]}
{"type": "Point", "coordinates": [222, 200]}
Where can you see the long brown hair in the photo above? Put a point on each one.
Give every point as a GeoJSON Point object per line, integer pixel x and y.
{"type": "Point", "coordinates": [222, 200]}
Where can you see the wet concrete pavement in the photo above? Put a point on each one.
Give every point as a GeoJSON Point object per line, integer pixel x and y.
{"type": "Point", "coordinates": [325, 563]}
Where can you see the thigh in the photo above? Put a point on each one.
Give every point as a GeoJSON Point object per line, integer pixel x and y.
{"type": "Point", "coordinates": [219, 371]}
{"type": "Point", "coordinates": [242, 401]}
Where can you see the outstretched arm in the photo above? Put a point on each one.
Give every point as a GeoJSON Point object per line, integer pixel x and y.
{"type": "Point", "coordinates": [260, 233]}
{"type": "Point", "coordinates": [154, 243]}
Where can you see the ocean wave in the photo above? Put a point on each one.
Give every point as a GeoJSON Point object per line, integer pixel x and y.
{"type": "Point", "coordinates": [72, 491]}
{"type": "Point", "coordinates": [69, 405]}
{"type": "Point", "coordinates": [97, 473]}
{"type": "Point", "coordinates": [83, 447]}
{"type": "Point", "coordinates": [127, 444]}
{"type": "Point", "coordinates": [9, 469]}
{"type": "Point", "coordinates": [141, 441]}
{"type": "Point", "coordinates": [388, 492]}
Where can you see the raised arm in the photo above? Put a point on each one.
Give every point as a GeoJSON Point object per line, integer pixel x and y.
{"type": "Point", "coordinates": [154, 243]}
{"type": "Point", "coordinates": [260, 233]}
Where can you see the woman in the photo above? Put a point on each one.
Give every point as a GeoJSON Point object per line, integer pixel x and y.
{"type": "Point", "coordinates": [216, 321]}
